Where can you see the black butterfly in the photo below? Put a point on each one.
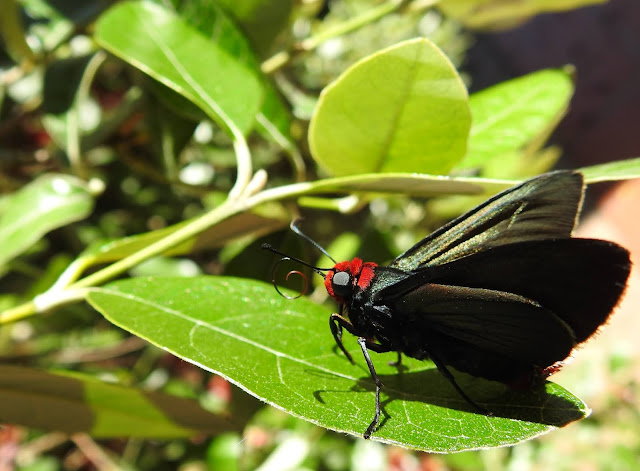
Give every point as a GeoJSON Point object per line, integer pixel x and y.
{"type": "Point", "coordinates": [503, 292]}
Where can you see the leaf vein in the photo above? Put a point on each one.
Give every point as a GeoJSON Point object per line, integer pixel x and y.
{"type": "Point", "coordinates": [209, 326]}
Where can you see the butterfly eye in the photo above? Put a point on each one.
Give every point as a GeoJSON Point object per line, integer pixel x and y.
{"type": "Point", "coordinates": [341, 283]}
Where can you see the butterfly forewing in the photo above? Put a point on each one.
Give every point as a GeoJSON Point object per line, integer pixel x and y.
{"type": "Point", "coordinates": [546, 207]}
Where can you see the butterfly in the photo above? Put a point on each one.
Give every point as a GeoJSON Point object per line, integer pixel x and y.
{"type": "Point", "coordinates": [503, 292]}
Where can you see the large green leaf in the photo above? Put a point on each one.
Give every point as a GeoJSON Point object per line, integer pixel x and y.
{"type": "Point", "coordinates": [162, 45]}
{"type": "Point", "coordinates": [210, 19]}
{"type": "Point", "coordinates": [73, 403]}
{"type": "Point", "coordinates": [49, 202]}
{"type": "Point", "coordinates": [504, 13]}
{"type": "Point", "coordinates": [403, 109]}
{"type": "Point", "coordinates": [282, 352]}
{"type": "Point", "coordinates": [509, 116]}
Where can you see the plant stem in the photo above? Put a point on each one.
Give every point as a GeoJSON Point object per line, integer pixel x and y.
{"type": "Point", "coordinates": [244, 167]}
{"type": "Point", "coordinates": [94, 453]}
{"type": "Point", "coordinates": [217, 215]}
{"type": "Point", "coordinates": [18, 312]}
{"type": "Point", "coordinates": [78, 290]}
{"type": "Point", "coordinates": [74, 134]}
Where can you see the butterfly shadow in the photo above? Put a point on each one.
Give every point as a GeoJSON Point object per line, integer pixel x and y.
{"type": "Point", "coordinates": [538, 405]}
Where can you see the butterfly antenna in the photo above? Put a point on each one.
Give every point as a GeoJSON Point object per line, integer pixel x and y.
{"type": "Point", "coordinates": [318, 270]}
{"type": "Point", "coordinates": [294, 227]}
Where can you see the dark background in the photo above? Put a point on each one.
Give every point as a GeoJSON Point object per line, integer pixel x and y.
{"type": "Point", "coordinates": [603, 43]}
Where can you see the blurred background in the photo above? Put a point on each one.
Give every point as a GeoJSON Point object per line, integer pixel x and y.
{"type": "Point", "coordinates": [40, 76]}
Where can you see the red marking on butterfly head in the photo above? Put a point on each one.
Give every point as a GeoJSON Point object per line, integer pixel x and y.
{"type": "Point", "coordinates": [346, 277]}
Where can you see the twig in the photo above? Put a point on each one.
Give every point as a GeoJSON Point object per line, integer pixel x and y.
{"type": "Point", "coordinates": [94, 452]}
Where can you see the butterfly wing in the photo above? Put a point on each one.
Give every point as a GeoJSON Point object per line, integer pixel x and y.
{"type": "Point", "coordinates": [509, 309]}
{"type": "Point", "coordinates": [487, 333]}
{"type": "Point", "coordinates": [545, 207]}
{"type": "Point", "coordinates": [581, 280]}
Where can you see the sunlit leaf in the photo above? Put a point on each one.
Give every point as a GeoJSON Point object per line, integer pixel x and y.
{"type": "Point", "coordinates": [509, 116]}
{"type": "Point", "coordinates": [210, 19]}
{"type": "Point", "coordinates": [49, 202]}
{"type": "Point", "coordinates": [281, 351]}
{"type": "Point", "coordinates": [403, 109]}
{"type": "Point", "coordinates": [162, 45]}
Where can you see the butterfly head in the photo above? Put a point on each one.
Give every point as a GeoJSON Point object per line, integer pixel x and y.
{"type": "Point", "coordinates": [348, 277]}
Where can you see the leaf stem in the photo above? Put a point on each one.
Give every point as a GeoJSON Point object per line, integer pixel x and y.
{"type": "Point", "coordinates": [18, 312]}
{"type": "Point", "coordinates": [94, 453]}
{"type": "Point", "coordinates": [244, 167]}
{"type": "Point", "coordinates": [227, 209]}
{"type": "Point", "coordinates": [215, 216]}
{"type": "Point", "coordinates": [74, 133]}
{"type": "Point", "coordinates": [65, 290]}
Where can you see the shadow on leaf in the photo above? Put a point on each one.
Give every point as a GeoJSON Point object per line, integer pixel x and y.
{"type": "Point", "coordinates": [544, 404]}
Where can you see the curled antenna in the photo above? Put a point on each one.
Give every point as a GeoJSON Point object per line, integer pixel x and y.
{"type": "Point", "coordinates": [285, 257]}
{"type": "Point", "coordinates": [293, 272]}
{"type": "Point", "coordinates": [294, 227]}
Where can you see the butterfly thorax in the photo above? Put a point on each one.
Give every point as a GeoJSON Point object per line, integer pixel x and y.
{"type": "Point", "coordinates": [374, 317]}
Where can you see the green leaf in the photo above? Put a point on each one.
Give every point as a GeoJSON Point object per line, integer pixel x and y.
{"type": "Point", "coordinates": [262, 20]}
{"type": "Point", "coordinates": [61, 81]}
{"type": "Point", "coordinates": [162, 45]}
{"type": "Point", "coordinates": [72, 403]}
{"type": "Point", "coordinates": [414, 184]}
{"type": "Point", "coordinates": [211, 20]}
{"type": "Point", "coordinates": [49, 202]}
{"type": "Point", "coordinates": [282, 352]}
{"type": "Point", "coordinates": [403, 109]}
{"type": "Point", "coordinates": [256, 223]}
{"type": "Point", "coordinates": [494, 14]}
{"type": "Point", "coordinates": [611, 171]}
{"type": "Point", "coordinates": [508, 116]}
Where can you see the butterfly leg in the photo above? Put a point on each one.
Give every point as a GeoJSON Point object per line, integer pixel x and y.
{"type": "Point", "coordinates": [337, 322]}
{"type": "Point", "coordinates": [365, 345]}
{"type": "Point", "coordinates": [444, 371]}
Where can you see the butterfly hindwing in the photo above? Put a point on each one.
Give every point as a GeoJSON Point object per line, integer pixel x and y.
{"type": "Point", "coordinates": [488, 320]}
{"type": "Point", "coordinates": [580, 280]}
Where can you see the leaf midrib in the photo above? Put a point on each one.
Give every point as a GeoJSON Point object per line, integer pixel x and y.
{"type": "Point", "coordinates": [399, 112]}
